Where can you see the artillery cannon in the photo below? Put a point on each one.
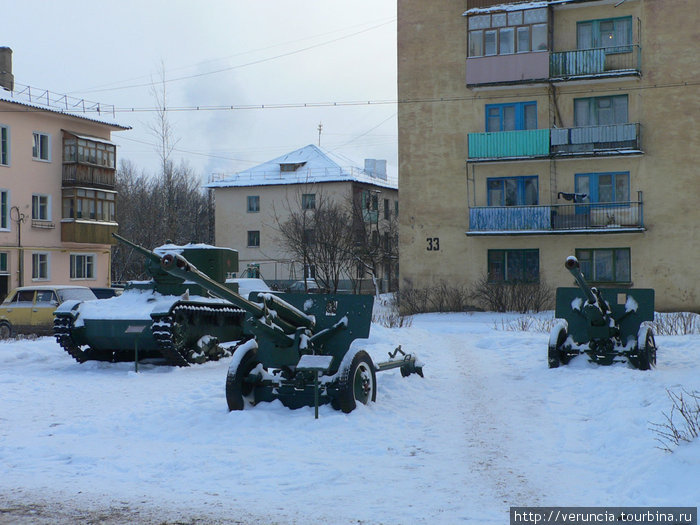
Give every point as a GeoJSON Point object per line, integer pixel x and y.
{"type": "Point", "coordinates": [164, 317]}
{"type": "Point", "coordinates": [609, 324]}
{"type": "Point", "coordinates": [296, 347]}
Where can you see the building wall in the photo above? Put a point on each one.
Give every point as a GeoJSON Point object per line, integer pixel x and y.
{"type": "Point", "coordinates": [24, 177]}
{"type": "Point", "coordinates": [233, 221]}
{"type": "Point", "coordinates": [438, 186]}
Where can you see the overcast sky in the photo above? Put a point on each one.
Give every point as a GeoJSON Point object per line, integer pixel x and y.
{"type": "Point", "coordinates": [219, 53]}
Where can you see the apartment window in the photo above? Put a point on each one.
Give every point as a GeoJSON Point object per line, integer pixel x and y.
{"type": "Point", "coordinates": [604, 187]}
{"type": "Point", "coordinates": [600, 111]}
{"type": "Point", "coordinates": [309, 271]}
{"type": "Point", "coordinates": [40, 266]}
{"type": "Point", "coordinates": [605, 264]}
{"type": "Point", "coordinates": [82, 266]}
{"type": "Point", "coordinates": [511, 116]}
{"type": "Point", "coordinates": [513, 266]}
{"type": "Point", "coordinates": [253, 203]}
{"type": "Point", "coordinates": [4, 210]}
{"type": "Point", "coordinates": [41, 207]}
{"type": "Point", "coordinates": [308, 201]}
{"type": "Point", "coordinates": [613, 34]}
{"type": "Point", "coordinates": [512, 191]}
{"type": "Point", "coordinates": [4, 145]}
{"type": "Point", "coordinates": [41, 149]}
{"type": "Point", "coordinates": [396, 208]}
{"type": "Point", "coordinates": [387, 209]}
{"type": "Point", "coordinates": [95, 205]}
{"type": "Point", "coordinates": [309, 237]}
{"type": "Point", "coordinates": [253, 239]}
{"type": "Point", "coordinates": [518, 31]}
{"type": "Point", "coordinates": [3, 263]}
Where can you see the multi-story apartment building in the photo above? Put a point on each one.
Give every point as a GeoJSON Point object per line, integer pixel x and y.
{"type": "Point", "coordinates": [529, 131]}
{"type": "Point", "coordinates": [57, 196]}
{"type": "Point", "coordinates": [251, 205]}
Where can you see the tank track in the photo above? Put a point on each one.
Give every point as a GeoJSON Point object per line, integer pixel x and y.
{"type": "Point", "coordinates": [62, 327]}
{"type": "Point", "coordinates": [170, 342]}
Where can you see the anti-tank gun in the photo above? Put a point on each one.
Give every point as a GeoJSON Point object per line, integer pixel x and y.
{"type": "Point", "coordinates": [607, 324]}
{"type": "Point", "coordinates": [297, 347]}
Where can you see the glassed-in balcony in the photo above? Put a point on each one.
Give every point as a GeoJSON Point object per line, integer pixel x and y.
{"type": "Point", "coordinates": [594, 63]}
{"type": "Point", "coordinates": [612, 217]}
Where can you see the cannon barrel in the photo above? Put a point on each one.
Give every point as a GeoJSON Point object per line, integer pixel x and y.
{"type": "Point", "coordinates": [275, 310]}
{"type": "Point", "coordinates": [574, 268]}
{"type": "Point", "coordinates": [143, 251]}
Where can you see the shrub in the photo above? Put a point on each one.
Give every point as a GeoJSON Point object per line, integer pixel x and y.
{"type": "Point", "coordinates": [512, 297]}
{"type": "Point", "coordinates": [675, 323]}
{"type": "Point", "coordinates": [441, 297]}
{"type": "Point", "coordinates": [685, 408]}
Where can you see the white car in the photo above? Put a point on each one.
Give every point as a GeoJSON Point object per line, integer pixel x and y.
{"type": "Point", "coordinates": [247, 285]}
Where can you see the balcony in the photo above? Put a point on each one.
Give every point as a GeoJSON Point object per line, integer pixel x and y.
{"type": "Point", "coordinates": [498, 145]}
{"type": "Point", "coordinates": [90, 232]}
{"type": "Point", "coordinates": [508, 69]}
{"type": "Point", "coordinates": [471, 4]}
{"type": "Point", "coordinates": [79, 174]}
{"type": "Point", "coordinates": [596, 140]}
{"type": "Point", "coordinates": [618, 217]}
{"type": "Point", "coordinates": [595, 63]}
{"type": "Point", "coordinates": [613, 139]}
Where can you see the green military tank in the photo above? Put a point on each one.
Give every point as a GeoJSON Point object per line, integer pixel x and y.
{"type": "Point", "coordinates": [164, 317]}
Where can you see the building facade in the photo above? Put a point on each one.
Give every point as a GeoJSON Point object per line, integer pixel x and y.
{"type": "Point", "coordinates": [57, 197]}
{"type": "Point", "coordinates": [251, 205]}
{"type": "Point", "coordinates": [530, 131]}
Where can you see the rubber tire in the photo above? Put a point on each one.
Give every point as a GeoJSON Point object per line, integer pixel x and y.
{"type": "Point", "coordinates": [646, 355]}
{"type": "Point", "coordinates": [236, 387]}
{"type": "Point", "coordinates": [350, 385]}
{"type": "Point", "coordinates": [5, 330]}
{"type": "Point", "coordinates": [554, 354]}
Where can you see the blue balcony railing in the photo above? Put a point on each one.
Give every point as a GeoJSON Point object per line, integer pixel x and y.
{"type": "Point", "coordinates": [509, 144]}
{"type": "Point", "coordinates": [602, 217]}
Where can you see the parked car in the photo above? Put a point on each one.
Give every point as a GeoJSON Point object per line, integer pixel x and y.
{"type": "Point", "coordinates": [29, 309]}
{"type": "Point", "coordinates": [246, 285]}
{"type": "Point", "coordinates": [311, 286]}
{"type": "Point", "coordinates": [106, 293]}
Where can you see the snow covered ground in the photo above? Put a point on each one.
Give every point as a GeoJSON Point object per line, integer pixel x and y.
{"type": "Point", "coordinates": [489, 427]}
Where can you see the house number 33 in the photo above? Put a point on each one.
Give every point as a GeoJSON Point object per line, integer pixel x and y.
{"type": "Point", "coordinates": [433, 244]}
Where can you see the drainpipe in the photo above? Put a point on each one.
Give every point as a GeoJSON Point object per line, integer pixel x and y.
{"type": "Point", "coordinates": [14, 211]}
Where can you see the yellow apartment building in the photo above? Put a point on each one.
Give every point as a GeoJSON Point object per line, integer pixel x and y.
{"type": "Point", "coordinates": [529, 131]}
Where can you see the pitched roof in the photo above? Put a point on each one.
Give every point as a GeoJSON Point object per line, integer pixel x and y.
{"type": "Point", "coordinates": [310, 164]}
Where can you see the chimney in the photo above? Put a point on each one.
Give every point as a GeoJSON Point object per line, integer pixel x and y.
{"type": "Point", "coordinates": [7, 81]}
{"type": "Point", "coordinates": [376, 168]}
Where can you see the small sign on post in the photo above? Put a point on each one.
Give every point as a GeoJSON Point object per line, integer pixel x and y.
{"type": "Point", "coordinates": [316, 364]}
{"type": "Point", "coordinates": [135, 329]}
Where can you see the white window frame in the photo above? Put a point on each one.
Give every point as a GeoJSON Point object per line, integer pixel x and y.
{"type": "Point", "coordinates": [38, 216]}
{"type": "Point", "coordinates": [36, 270]}
{"type": "Point", "coordinates": [5, 159]}
{"type": "Point", "coordinates": [5, 224]}
{"type": "Point", "coordinates": [37, 155]}
{"type": "Point", "coordinates": [92, 265]}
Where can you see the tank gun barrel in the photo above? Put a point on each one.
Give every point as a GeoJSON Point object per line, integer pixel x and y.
{"type": "Point", "coordinates": [574, 268]}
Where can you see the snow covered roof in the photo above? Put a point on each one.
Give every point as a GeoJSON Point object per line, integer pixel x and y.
{"type": "Point", "coordinates": [310, 164]}
{"type": "Point", "coordinates": [8, 97]}
{"type": "Point", "coordinates": [515, 7]}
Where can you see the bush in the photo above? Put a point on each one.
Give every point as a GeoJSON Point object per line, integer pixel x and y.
{"type": "Point", "coordinates": [685, 407]}
{"type": "Point", "coordinates": [442, 297]}
{"type": "Point", "coordinates": [526, 323]}
{"type": "Point", "coordinates": [512, 297]}
{"type": "Point", "coordinates": [676, 323]}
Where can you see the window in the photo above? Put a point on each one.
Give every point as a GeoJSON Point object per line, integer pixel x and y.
{"type": "Point", "coordinates": [520, 31]}
{"type": "Point", "coordinates": [396, 208]}
{"type": "Point", "coordinates": [309, 271]}
{"type": "Point", "coordinates": [4, 145]}
{"type": "Point", "coordinates": [513, 265]}
{"type": "Point", "coordinates": [41, 149]}
{"type": "Point", "coordinates": [253, 203]}
{"type": "Point", "coordinates": [82, 266]}
{"type": "Point", "coordinates": [309, 237]}
{"type": "Point", "coordinates": [308, 201]}
{"type": "Point", "coordinates": [512, 191]}
{"type": "Point", "coordinates": [604, 187]}
{"type": "Point", "coordinates": [4, 210]}
{"type": "Point", "coordinates": [87, 151]}
{"type": "Point", "coordinates": [605, 265]}
{"type": "Point", "coordinates": [96, 205]}
{"type": "Point", "coordinates": [41, 207]}
{"type": "Point", "coordinates": [3, 263]}
{"type": "Point", "coordinates": [600, 111]}
{"type": "Point", "coordinates": [387, 209]}
{"type": "Point", "coordinates": [613, 34]}
{"type": "Point", "coordinates": [254, 239]}
{"type": "Point", "coordinates": [511, 117]}
{"type": "Point", "coordinates": [40, 266]}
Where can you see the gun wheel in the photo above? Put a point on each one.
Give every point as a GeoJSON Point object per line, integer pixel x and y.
{"type": "Point", "coordinates": [358, 383]}
{"type": "Point", "coordinates": [646, 353]}
{"type": "Point", "coordinates": [244, 360]}
{"type": "Point", "coordinates": [555, 354]}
